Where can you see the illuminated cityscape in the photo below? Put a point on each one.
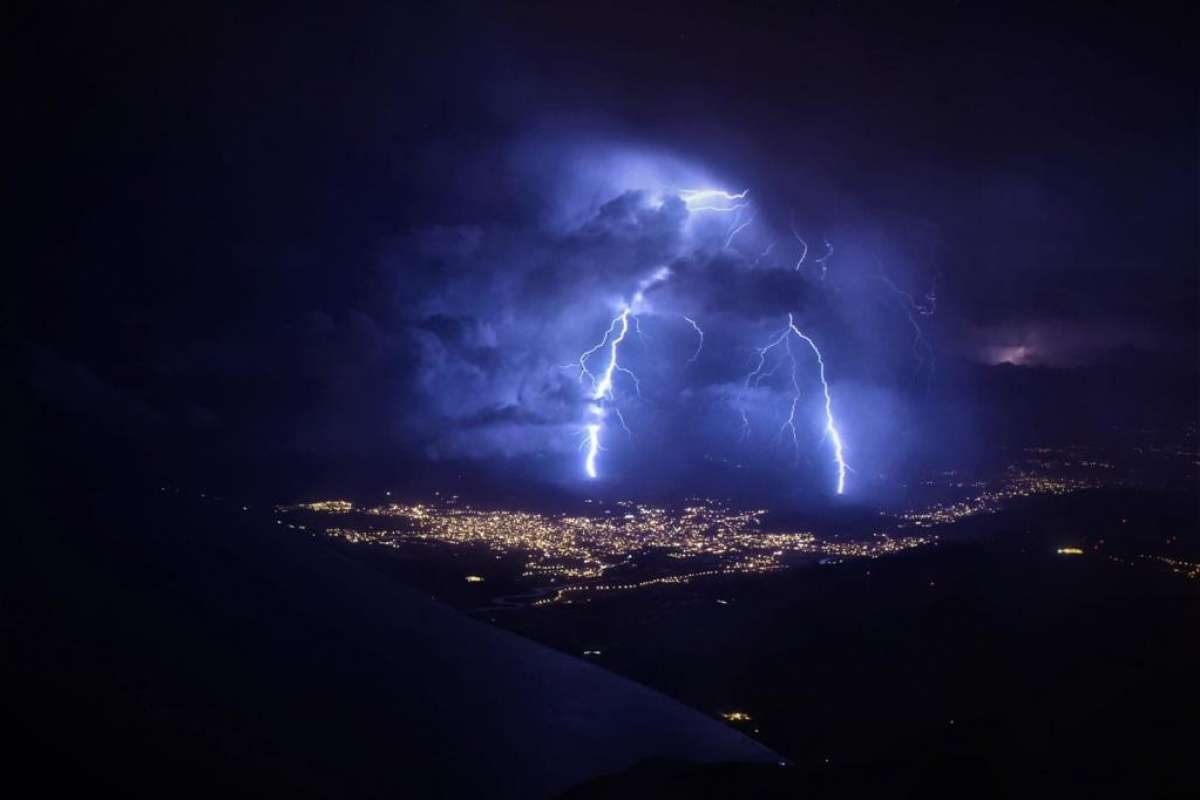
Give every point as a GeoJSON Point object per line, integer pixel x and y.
{"type": "Point", "coordinates": [993, 497]}
{"type": "Point", "coordinates": [625, 546]}
{"type": "Point", "coordinates": [1175, 566]}
{"type": "Point", "coordinates": [628, 546]}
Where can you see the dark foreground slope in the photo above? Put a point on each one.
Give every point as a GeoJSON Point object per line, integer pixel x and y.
{"type": "Point", "coordinates": [988, 666]}
{"type": "Point", "coordinates": [162, 647]}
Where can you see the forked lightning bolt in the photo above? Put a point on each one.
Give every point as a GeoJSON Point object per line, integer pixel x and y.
{"type": "Point", "coordinates": [922, 350]}
{"type": "Point", "coordinates": [602, 385]}
{"type": "Point", "coordinates": [835, 437]}
{"type": "Point", "coordinates": [761, 373]}
{"type": "Point", "coordinates": [601, 397]}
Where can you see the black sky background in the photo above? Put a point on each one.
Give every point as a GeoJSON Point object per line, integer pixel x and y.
{"type": "Point", "coordinates": [220, 205]}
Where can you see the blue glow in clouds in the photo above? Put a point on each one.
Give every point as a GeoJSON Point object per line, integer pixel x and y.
{"type": "Point", "coordinates": [713, 200]}
{"type": "Point", "coordinates": [717, 200]}
{"type": "Point", "coordinates": [601, 402]}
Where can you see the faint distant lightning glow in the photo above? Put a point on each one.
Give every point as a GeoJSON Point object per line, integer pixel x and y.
{"type": "Point", "coordinates": [789, 424]}
{"type": "Point", "coordinates": [824, 260]}
{"type": "Point", "coordinates": [766, 252]}
{"type": "Point", "coordinates": [699, 344]}
{"type": "Point", "coordinates": [757, 375]}
{"type": "Point", "coordinates": [639, 297]}
{"type": "Point", "coordinates": [925, 309]}
{"type": "Point", "coordinates": [637, 328]}
{"type": "Point", "coordinates": [713, 200]}
{"type": "Point", "coordinates": [735, 230]}
{"type": "Point", "coordinates": [803, 244]}
{"type": "Point", "coordinates": [760, 373]}
{"type": "Point", "coordinates": [922, 350]}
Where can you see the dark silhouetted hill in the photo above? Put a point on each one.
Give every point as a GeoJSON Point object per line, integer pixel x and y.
{"type": "Point", "coordinates": [157, 646]}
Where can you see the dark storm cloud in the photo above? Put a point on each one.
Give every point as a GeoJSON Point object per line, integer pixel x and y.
{"type": "Point", "coordinates": [511, 306]}
{"type": "Point", "coordinates": [495, 415]}
{"type": "Point", "coordinates": [380, 240]}
{"type": "Point", "coordinates": [78, 390]}
{"type": "Point", "coordinates": [724, 283]}
{"type": "Point", "coordinates": [317, 383]}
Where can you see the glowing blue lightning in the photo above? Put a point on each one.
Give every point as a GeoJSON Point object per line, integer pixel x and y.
{"type": "Point", "coordinates": [803, 244]}
{"type": "Point", "coordinates": [760, 373]}
{"type": "Point", "coordinates": [602, 386]}
{"type": "Point", "coordinates": [823, 260]}
{"type": "Point", "coordinates": [699, 344]}
{"type": "Point", "coordinates": [925, 309]}
{"type": "Point", "coordinates": [830, 426]}
{"type": "Point", "coordinates": [766, 252]}
{"type": "Point", "coordinates": [717, 200]}
{"type": "Point", "coordinates": [713, 200]}
{"type": "Point", "coordinates": [922, 350]}
{"type": "Point", "coordinates": [789, 424]}
{"type": "Point", "coordinates": [592, 441]}
{"type": "Point", "coordinates": [735, 229]}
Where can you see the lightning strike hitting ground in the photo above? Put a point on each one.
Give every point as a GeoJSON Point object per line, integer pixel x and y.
{"type": "Point", "coordinates": [602, 386]}
{"type": "Point", "coordinates": [601, 396]}
{"type": "Point", "coordinates": [761, 373]}
{"type": "Point", "coordinates": [830, 425]}
{"type": "Point", "coordinates": [601, 399]}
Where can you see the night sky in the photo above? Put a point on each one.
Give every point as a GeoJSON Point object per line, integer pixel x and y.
{"type": "Point", "coordinates": [348, 244]}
